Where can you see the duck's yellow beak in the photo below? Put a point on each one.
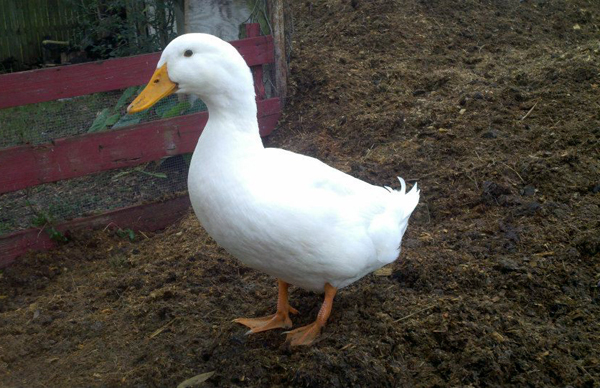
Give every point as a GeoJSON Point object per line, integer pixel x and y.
{"type": "Point", "coordinates": [160, 86]}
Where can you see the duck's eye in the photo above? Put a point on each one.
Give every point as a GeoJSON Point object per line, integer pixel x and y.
{"type": "Point", "coordinates": [188, 53]}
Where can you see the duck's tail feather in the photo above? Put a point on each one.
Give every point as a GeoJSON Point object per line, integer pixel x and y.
{"type": "Point", "coordinates": [388, 228]}
{"type": "Point", "coordinates": [407, 201]}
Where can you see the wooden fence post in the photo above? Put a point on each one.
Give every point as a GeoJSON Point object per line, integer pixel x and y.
{"type": "Point", "coordinates": [277, 16]}
{"type": "Point", "coordinates": [252, 31]}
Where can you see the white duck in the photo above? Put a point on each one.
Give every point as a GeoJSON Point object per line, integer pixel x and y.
{"type": "Point", "coordinates": [282, 213]}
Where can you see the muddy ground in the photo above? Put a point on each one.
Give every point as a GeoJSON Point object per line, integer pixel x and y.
{"type": "Point", "coordinates": [492, 106]}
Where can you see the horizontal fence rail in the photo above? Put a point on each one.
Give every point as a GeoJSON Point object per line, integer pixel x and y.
{"type": "Point", "coordinates": [151, 216]}
{"type": "Point", "coordinates": [81, 155]}
{"type": "Point", "coordinates": [29, 87]}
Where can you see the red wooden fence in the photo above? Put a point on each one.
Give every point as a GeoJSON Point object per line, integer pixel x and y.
{"type": "Point", "coordinates": [33, 86]}
{"type": "Point", "coordinates": [25, 166]}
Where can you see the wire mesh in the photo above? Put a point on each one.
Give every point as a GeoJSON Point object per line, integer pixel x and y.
{"type": "Point", "coordinates": [96, 193]}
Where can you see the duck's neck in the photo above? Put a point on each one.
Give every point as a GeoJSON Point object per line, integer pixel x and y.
{"type": "Point", "coordinates": [232, 126]}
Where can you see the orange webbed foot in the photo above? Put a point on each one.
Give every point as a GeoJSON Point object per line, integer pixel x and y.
{"type": "Point", "coordinates": [279, 320]}
{"type": "Point", "coordinates": [304, 335]}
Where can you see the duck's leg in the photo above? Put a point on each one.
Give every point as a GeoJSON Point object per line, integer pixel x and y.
{"type": "Point", "coordinates": [305, 335]}
{"type": "Point", "coordinates": [281, 319]}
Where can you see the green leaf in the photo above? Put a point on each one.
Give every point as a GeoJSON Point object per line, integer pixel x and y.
{"type": "Point", "coordinates": [100, 122]}
{"type": "Point", "coordinates": [128, 119]}
{"type": "Point", "coordinates": [39, 220]}
{"type": "Point", "coordinates": [161, 175]}
{"type": "Point", "coordinates": [112, 120]}
{"type": "Point", "coordinates": [125, 121]}
{"type": "Point", "coordinates": [122, 173]}
{"type": "Point", "coordinates": [165, 105]}
{"type": "Point", "coordinates": [125, 97]}
{"type": "Point", "coordinates": [126, 233]}
{"type": "Point", "coordinates": [56, 235]}
{"type": "Point", "coordinates": [176, 110]}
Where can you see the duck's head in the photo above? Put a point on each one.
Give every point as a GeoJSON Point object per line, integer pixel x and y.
{"type": "Point", "coordinates": [199, 64]}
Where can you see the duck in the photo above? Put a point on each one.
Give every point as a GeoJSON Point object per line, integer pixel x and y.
{"type": "Point", "coordinates": [288, 215]}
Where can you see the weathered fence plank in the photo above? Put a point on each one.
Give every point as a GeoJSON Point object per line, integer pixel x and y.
{"type": "Point", "coordinates": [148, 217]}
{"type": "Point", "coordinates": [86, 154]}
{"type": "Point", "coordinates": [35, 86]}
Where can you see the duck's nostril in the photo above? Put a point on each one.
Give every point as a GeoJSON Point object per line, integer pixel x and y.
{"type": "Point", "coordinates": [156, 81]}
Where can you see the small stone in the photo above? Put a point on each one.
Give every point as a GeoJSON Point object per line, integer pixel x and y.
{"type": "Point", "coordinates": [493, 190]}
{"type": "Point", "coordinates": [507, 265]}
{"type": "Point", "coordinates": [532, 207]}
{"type": "Point", "coordinates": [512, 235]}
{"type": "Point", "coordinates": [596, 189]}
{"type": "Point", "coordinates": [45, 319]}
{"type": "Point", "coordinates": [528, 191]}
{"type": "Point", "coordinates": [478, 96]}
{"type": "Point", "coordinates": [491, 134]}
{"type": "Point", "coordinates": [528, 209]}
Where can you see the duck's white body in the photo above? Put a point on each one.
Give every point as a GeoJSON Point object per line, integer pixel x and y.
{"type": "Point", "coordinates": [282, 213]}
{"type": "Point", "coordinates": [285, 214]}
{"type": "Point", "coordinates": [296, 218]}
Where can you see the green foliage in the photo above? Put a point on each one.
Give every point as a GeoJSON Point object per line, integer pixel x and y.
{"type": "Point", "coordinates": [56, 235]}
{"type": "Point", "coordinates": [171, 108]}
{"type": "Point", "coordinates": [167, 108]}
{"type": "Point", "coordinates": [126, 233]}
{"type": "Point", "coordinates": [103, 120]}
{"type": "Point", "coordinates": [119, 262]}
{"type": "Point", "coordinates": [111, 117]}
{"type": "Point", "coordinates": [258, 15]}
{"type": "Point", "coordinates": [117, 28]}
{"type": "Point", "coordinates": [124, 99]}
{"type": "Point", "coordinates": [45, 220]}
{"type": "Point", "coordinates": [5, 228]}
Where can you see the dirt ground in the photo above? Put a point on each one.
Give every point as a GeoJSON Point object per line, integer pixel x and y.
{"type": "Point", "coordinates": [492, 106]}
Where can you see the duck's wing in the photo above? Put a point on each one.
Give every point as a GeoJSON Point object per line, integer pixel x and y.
{"type": "Point", "coordinates": [326, 220]}
{"type": "Point", "coordinates": [310, 173]}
